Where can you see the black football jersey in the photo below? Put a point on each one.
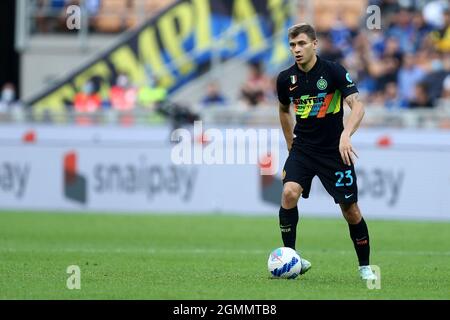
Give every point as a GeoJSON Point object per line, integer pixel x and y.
{"type": "Point", "coordinates": [317, 97]}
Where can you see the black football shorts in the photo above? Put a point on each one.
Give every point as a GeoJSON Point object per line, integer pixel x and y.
{"type": "Point", "coordinates": [338, 178]}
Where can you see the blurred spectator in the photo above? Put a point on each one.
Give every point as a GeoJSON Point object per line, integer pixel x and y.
{"type": "Point", "coordinates": [388, 7]}
{"type": "Point", "coordinates": [421, 97]}
{"type": "Point", "coordinates": [403, 31]}
{"type": "Point", "coordinates": [386, 70]}
{"type": "Point", "coordinates": [257, 84]}
{"type": "Point", "coordinates": [393, 49]}
{"type": "Point", "coordinates": [389, 72]}
{"type": "Point", "coordinates": [376, 99]}
{"type": "Point", "coordinates": [422, 59]}
{"type": "Point", "coordinates": [441, 37]}
{"type": "Point", "coordinates": [151, 95]}
{"type": "Point", "coordinates": [341, 35]}
{"type": "Point", "coordinates": [214, 96]}
{"type": "Point", "coordinates": [436, 76]}
{"type": "Point", "coordinates": [409, 75]}
{"type": "Point", "coordinates": [377, 40]}
{"type": "Point", "coordinates": [328, 51]}
{"type": "Point", "coordinates": [88, 100]}
{"type": "Point", "coordinates": [421, 29]}
{"type": "Point", "coordinates": [8, 99]}
{"type": "Point", "coordinates": [358, 61]}
{"type": "Point", "coordinates": [391, 97]}
{"type": "Point", "coordinates": [123, 95]}
{"type": "Point", "coordinates": [446, 88]}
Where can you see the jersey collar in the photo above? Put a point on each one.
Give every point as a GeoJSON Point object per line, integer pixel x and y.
{"type": "Point", "coordinates": [313, 69]}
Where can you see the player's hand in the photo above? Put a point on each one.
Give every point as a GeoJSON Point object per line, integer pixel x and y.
{"type": "Point", "coordinates": [289, 146]}
{"type": "Point", "coordinates": [346, 149]}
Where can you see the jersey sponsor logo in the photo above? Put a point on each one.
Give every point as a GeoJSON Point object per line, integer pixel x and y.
{"type": "Point", "coordinates": [318, 106]}
{"type": "Point", "coordinates": [322, 84]}
{"type": "Point", "coordinates": [292, 88]}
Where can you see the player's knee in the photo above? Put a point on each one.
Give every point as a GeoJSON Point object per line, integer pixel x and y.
{"type": "Point", "coordinates": [351, 213]}
{"type": "Point", "coordinates": [291, 195]}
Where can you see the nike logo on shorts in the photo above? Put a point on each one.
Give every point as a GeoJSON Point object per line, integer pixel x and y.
{"type": "Point", "coordinates": [348, 196]}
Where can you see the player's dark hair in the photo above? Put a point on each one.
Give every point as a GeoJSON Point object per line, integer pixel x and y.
{"type": "Point", "coordinates": [305, 28]}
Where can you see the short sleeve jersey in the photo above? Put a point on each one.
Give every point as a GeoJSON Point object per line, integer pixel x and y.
{"type": "Point", "coordinates": [317, 97]}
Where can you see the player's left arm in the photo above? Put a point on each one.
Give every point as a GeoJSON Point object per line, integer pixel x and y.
{"type": "Point", "coordinates": [357, 113]}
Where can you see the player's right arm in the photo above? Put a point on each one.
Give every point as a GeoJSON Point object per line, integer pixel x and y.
{"type": "Point", "coordinates": [287, 124]}
{"type": "Point", "coordinates": [286, 119]}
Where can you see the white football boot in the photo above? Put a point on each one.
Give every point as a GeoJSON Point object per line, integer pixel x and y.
{"type": "Point", "coordinates": [306, 265]}
{"type": "Point", "coordinates": [366, 273]}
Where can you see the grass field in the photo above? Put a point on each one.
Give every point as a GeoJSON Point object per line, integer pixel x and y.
{"type": "Point", "coordinates": [212, 257]}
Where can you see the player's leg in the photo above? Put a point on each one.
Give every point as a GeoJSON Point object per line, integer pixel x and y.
{"type": "Point", "coordinates": [340, 182]}
{"type": "Point", "coordinates": [288, 214]}
{"type": "Point", "coordinates": [297, 177]}
{"type": "Point", "coordinates": [289, 218]}
{"type": "Point", "coordinates": [359, 233]}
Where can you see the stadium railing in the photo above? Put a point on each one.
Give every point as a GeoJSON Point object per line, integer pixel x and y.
{"type": "Point", "coordinates": [233, 114]}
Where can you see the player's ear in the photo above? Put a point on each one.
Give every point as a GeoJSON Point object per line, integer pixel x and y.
{"type": "Point", "coordinates": [315, 42]}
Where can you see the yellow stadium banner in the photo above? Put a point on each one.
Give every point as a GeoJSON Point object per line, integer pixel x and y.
{"type": "Point", "coordinates": [179, 44]}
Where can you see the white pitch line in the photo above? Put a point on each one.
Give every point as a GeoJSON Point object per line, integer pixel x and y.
{"type": "Point", "coordinates": [210, 251]}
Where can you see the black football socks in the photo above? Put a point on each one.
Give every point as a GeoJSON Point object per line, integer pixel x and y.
{"type": "Point", "coordinates": [288, 226]}
{"type": "Point", "coordinates": [360, 236]}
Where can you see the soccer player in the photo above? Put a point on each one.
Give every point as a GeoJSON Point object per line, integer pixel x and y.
{"type": "Point", "coordinates": [319, 144]}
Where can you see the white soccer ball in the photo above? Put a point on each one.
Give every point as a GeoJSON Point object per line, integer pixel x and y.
{"type": "Point", "coordinates": [284, 263]}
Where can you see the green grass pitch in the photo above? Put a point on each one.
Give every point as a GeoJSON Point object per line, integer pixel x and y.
{"type": "Point", "coordinates": [212, 257]}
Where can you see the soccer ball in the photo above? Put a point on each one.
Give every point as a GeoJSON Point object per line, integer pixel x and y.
{"type": "Point", "coordinates": [284, 263]}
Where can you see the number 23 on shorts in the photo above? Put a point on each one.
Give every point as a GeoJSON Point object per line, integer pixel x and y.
{"type": "Point", "coordinates": [348, 178]}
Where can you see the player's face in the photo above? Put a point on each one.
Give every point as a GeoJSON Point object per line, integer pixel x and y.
{"type": "Point", "coordinates": [302, 48]}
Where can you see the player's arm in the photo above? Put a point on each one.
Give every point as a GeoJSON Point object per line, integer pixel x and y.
{"type": "Point", "coordinates": [356, 115]}
{"type": "Point", "coordinates": [287, 124]}
{"type": "Point", "coordinates": [286, 119]}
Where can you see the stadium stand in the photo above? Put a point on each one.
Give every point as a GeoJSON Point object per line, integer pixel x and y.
{"type": "Point", "coordinates": [405, 66]}
{"type": "Point", "coordinates": [111, 16]}
{"type": "Point", "coordinates": [119, 15]}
